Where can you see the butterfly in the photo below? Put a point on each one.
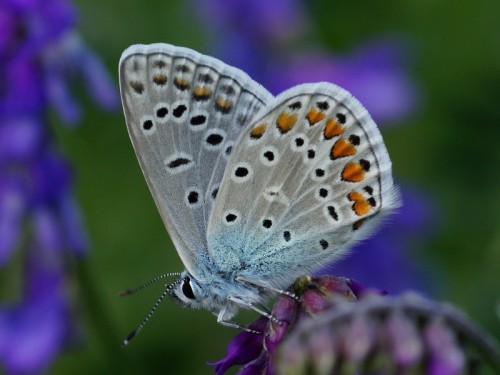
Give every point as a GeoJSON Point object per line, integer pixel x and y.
{"type": "Point", "coordinates": [254, 190]}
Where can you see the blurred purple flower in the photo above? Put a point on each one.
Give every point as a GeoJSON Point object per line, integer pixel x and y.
{"type": "Point", "coordinates": [40, 56]}
{"type": "Point", "coordinates": [264, 39]}
{"type": "Point", "coordinates": [247, 33]}
{"type": "Point", "coordinates": [386, 335]}
{"type": "Point", "coordinates": [374, 73]}
{"type": "Point", "coordinates": [12, 207]}
{"type": "Point", "coordinates": [72, 58]}
{"type": "Point", "coordinates": [33, 332]}
{"type": "Point", "coordinates": [258, 20]}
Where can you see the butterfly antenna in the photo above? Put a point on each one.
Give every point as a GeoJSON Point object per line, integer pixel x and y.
{"type": "Point", "coordinates": [145, 285]}
{"type": "Point", "coordinates": [134, 333]}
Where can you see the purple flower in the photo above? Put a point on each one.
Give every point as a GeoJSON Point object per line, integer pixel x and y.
{"type": "Point", "coordinates": [245, 348]}
{"type": "Point", "coordinates": [256, 352]}
{"type": "Point", "coordinates": [40, 56]}
{"type": "Point", "coordinates": [33, 332]}
{"type": "Point", "coordinates": [246, 33]}
{"type": "Point", "coordinates": [446, 356]}
{"type": "Point", "coordinates": [374, 73]}
{"type": "Point", "coordinates": [339, 327]}
{"type": "Point", "coordinates": [12, 207]}
{"type": "Point", "coordinates": [258, 19]}
{"type": "Point", "coordinates": [70, 58]}
{"type": "Point", "coordinates": [386, 335]}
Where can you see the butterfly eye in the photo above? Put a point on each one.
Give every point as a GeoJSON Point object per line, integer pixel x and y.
{"type": "Point", "coordinates": [186, 288]}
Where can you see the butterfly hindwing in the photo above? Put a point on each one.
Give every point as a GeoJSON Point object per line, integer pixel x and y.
{"type": "Point", "coordinates": [184, 112]}
{"type": "Point", "coordinates": [308, 177]}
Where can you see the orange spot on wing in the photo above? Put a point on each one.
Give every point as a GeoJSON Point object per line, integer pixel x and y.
{"type": "Point", "coordinates": [314, 116]}
{"type": "Point", "coordinates": [223, 105]}
{"type": "Point", "coordinates": [353, 172]}
{"type": "Point", "coordinates": [355, 196]}
{"type": "Point", "coordinates": [332, 129]}
{"type": "Point", "coordinates": [342, 148]}
{"type": "Point", "coordinates": [286, 122]}
{"type": "Point", "coordinates": [202, 92]}
{"type": "Point", "coordinates": [360, 206]}
{"type": "Point", "coordinates": [160, 79]}
{"type": "Point", "coordinates": [258, 131]}
{"type": "Point", "coordinates": [181, 84]}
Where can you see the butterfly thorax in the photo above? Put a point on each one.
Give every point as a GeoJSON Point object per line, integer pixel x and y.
{"type": "Point", "coordinates": [213, 292]}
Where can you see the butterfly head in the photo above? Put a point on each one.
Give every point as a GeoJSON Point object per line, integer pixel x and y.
{"type": "Point", "coordinates": [186, 291]}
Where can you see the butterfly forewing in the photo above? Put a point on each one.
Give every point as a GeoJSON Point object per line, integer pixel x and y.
{"type": "Point", "coordinates": [308, 178]}
{"type": "Point", "coordinates": [184, 112]}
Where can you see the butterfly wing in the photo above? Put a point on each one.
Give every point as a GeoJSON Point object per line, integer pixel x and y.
{"type": "Point", "coordinates": [184, 111]}
{"type": "Point", "coordinates": [307, 179]}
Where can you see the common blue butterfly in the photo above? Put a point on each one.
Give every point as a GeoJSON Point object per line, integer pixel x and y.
{"type": "Point", "coordinates": [254, 190]}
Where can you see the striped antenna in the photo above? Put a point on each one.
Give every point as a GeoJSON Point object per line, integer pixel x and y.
{"type": "Point", "coordinates": [134, 333]}
{"type": "Point", "coordinates": [145, 285]}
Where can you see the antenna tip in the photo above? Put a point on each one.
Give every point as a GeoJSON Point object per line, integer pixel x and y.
{"type": "Point", "coordinates": [130, 336]}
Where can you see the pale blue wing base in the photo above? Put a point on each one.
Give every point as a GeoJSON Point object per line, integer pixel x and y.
{"type": "Point", "coordinates": [184, 112]}
{"type": "Point", "coordinates": [309, 178]}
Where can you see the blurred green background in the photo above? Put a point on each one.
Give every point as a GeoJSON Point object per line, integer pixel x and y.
{"type": "Point", "coordinates": [449, 148]}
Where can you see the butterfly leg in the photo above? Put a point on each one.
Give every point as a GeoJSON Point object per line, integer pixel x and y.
{"type": "Point", "coordinates": [221, 321]}
{"type": "Point", "coordinates": [267, 286]}
{"type": "Point", "coordinates": [252, 306]}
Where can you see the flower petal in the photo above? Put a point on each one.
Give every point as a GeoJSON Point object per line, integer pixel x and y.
{"type": "Point", "coordinates": [12, 209]}
{"type": "Point", "coordinates": [243, 348]}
